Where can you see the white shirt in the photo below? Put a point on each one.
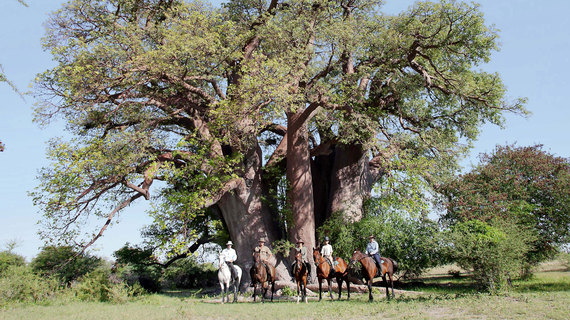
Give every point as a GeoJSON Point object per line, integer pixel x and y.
{"type": "Point", "coordinates": [372, 247]}
{"type": "Point", "coordinates": [229, 255]}
{"type": "Point", "coordinates": [326, 250]}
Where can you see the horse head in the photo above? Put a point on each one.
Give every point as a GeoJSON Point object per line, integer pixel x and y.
{"type": "Point", "coordinates": [316, 255]}
{"type": "Point", "coordinates": [356, 256]}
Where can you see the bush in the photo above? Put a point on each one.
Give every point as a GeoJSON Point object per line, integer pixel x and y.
{"type": "Point", "coordinates": [8, 259]}
{"type": "Point", "coordinates": [51, 260]}
{"type": "Point", "coordinates": [494, 252]}
{"type": "Point", "coordinates": [21, 284]}
{"type": "Point", "coordinates": [97, 286]}
{"type": "Point", "coordinates": [188, 273]}
{"type": "Point", "coordinates": [414, 243]}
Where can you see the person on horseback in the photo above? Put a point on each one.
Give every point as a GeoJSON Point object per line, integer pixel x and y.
{"type": "Point", "coordinates": [301, 248]}
{"type": "Point", "coordinates": [229, 256]}
{"type": "Point", "coordinates": [327, 251]}
{"type": "Point", "coordinates": [373, 251]}
{"type": "Point", "coordinates": [264, 254]}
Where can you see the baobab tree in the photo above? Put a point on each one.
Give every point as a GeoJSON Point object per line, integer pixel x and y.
{"type": "Point", "coordinates": [263, 116]}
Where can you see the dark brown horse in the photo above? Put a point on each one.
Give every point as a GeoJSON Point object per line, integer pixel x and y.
{"type": "Point", "coordinates": [259, 276]}
{"type": "Point", "coordinates": [300, 273]}
{"type": "Point", "coordinates": [324, 271]}
{"type": "Point", "coordinates": [369, 269]}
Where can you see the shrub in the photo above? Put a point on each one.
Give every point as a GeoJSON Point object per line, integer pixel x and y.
{"type": "Point", "coordinates": [97, 286]}
{"type": "Point", "coordinates": [21, 284]}
{"type": "Point", "coordinates": [494, 252]}
{"type": "Point", "coordinates": [188, 273]}
{"type": "Point", "coordinates": [7, 259]}
{"type": "Point", "coordinates": [51, 260]}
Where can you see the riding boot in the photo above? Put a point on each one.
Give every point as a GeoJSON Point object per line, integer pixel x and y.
{"type": "Point", "coordinates": [308, 267]}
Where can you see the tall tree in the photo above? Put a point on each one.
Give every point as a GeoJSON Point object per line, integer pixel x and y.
{"type": "Point", "coordinates": [523, 184]}
{"type": "Point", "coordinates": [223, 105]}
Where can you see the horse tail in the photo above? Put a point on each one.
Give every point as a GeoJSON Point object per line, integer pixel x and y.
{"type": "Point", "coordinates": [395, 264]}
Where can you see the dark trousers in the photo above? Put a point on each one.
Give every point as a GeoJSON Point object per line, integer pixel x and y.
{"type": "Point", "coordinates": [232, 270]}
{"type": "Point", "coordinates": [377, 259]}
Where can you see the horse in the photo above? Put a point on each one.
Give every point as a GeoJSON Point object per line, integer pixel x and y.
{"type": "Point", "coordinates": [259, 276]}
{"type": "Point", "coordinates": [369, 269]}
{"type": "Point", "coordinates": [300, 273]}
{"type": "Point", "coordinates": [340, 272]}
{"type": "Point", "coordinates": [225, 278]}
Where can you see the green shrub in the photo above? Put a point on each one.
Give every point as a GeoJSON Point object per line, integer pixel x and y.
{"type": "Point", "coordinates": [21, 284]}
{"type": "Point", "coordinates": [7, 259]}
{"type": "Point", "coordinates": [188, 273]}
{"type": "Point", "coordinates": [494, 252]}
{"type": "Point", "coordinates": [97, 286]}
{"type": "Point", "coordinates": [51, 261]}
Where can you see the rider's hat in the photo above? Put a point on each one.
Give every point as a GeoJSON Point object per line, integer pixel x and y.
{"type": "Point", "coordinates": [262, 239]}
{"type": "Point", "coordinates": [371, 237]}
{"type": "Point", "coordinates": [327, 238]}
{"type": "Point", "coordinates": [300, 241]}
{"type": "Point", "coordinates": [230, 243]}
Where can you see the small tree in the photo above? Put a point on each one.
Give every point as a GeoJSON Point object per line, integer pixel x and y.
{"type": "Point", "coordinates": [493, 251]}
{"type": "Point", "coordinates": [525, 185]}
{"type": "Point", "coordinates": [8, 259]}
{"type": "Point", "coordinates": [55, 261]}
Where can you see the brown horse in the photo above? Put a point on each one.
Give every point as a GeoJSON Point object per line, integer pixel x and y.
{"type": "Point", "coordinates": [259, 276]}
{"type": "Point", "coordinates": [370, 270]}
{"type": "Point", "coordinates": [300, 273]}
{"type": "Point", "coordinates": [324, 271]}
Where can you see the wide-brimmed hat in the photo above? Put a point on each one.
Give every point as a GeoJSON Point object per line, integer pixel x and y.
{"type": "Point", "coordinates": [371, 237]}
{"type": "Point", "coordinates": [262, 240]}
{"type": "Point", "coordinates": [300, 241]}
{"type": "Point", "coordinates": [230, 243]}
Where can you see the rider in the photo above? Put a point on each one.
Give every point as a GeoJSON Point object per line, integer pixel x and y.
{"type": "Point", "coordinates": [304, 256]}
{"type": "Point", "coordinates": [372, 250]}
{"type": "Point", "coordinates": [326, 252]}
{"type": "Point", "coordinates": [229, 255]}
{"type": "Point", "coordinates": [264, 254]}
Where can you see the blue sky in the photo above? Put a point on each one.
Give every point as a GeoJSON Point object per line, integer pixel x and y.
{"type": "Point", "coordinates": [534, 62]}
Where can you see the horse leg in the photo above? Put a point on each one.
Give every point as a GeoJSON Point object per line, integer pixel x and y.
{"type": "Point", "coordinates": [370, 298]}
{"type": "Point", "coordinates": [272, 289]}
{"type": "Point", "coordinates": [347, 288]}
{"type": "Point", "coordinates": [387, 289]}
{"type": "Point", "coordinates": [222, 287]}
{"type": "Point", "coordinates": [298, 289]}
{"type": "Point", "coordinates": [392, 283]}
{"type": "Point", "coordinates": [339, 282]}
{"type": "Point", "coordinates": [320, 288]}
{"type": "Point", "coordinates": [305, 289]}
{"type": "Point", "coordinates": [330, 289]}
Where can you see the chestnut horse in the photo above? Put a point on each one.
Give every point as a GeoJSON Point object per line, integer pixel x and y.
{"type": "Point", "coordinates": [324, 271]}
{"type": "Point", "coordinates": [300, 273]}
{"type": "Point", "coordinates": [370, 270]}
{"type": "Point", "coordinates": [259, 276]}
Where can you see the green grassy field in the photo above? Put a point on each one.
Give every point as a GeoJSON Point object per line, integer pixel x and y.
{"type": "Point", "coordinates": [546, 296]}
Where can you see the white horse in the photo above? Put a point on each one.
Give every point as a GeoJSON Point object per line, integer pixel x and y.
{"type": "Point", "coordinates": [225, 278]}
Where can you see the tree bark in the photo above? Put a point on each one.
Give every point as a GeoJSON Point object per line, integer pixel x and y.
{"type": "Point", "coordinates": [351, 182]}
{"type": "Point", "coordinates": [300, 193]}
{"type": "Point", "coordinates": [248, 218]}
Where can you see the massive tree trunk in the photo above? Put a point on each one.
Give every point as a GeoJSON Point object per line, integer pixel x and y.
{"type": "Point", "coordinates": [300, 193]}
{"type": "Point", "coordinates": [351, 182]}
{"type": "Point", "coordinates": [248, 218]}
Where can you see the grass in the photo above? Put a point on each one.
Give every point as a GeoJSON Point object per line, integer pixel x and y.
{"type": "Point", "coordinates": [441, 296]}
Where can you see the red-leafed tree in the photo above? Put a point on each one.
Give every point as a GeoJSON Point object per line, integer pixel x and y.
{"type": "Point", "coordinates": [523, 184]}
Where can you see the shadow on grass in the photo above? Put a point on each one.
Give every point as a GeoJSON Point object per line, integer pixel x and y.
{"type": "Point", "coordinates": [542, 287]}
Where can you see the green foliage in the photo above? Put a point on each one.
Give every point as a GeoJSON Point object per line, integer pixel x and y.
{"type": "Point", "coordinates": [97, 286]}
{"type": "Point", "coordinates": [55, 261]}
{"type": "Point", "coordinates": [494, 251]}
{"type": "Point", "coordinates": [525, 185]}
{"type": "Point", "coordinates": [8, 259]}
{"type": "Point", "coordinates": [138, 266]}
{"type": "Point", "coordinates": [415, 243]}
{"type": "Point", "coordinates": [188, 273]}
{"type": "Point", "coordinates": [19, 283]}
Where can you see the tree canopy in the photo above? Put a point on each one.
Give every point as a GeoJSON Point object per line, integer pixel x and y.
{"type": "Point", "coordinates": [223, 105]}
{"type": "Point", "coordinates": [526, 185]}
